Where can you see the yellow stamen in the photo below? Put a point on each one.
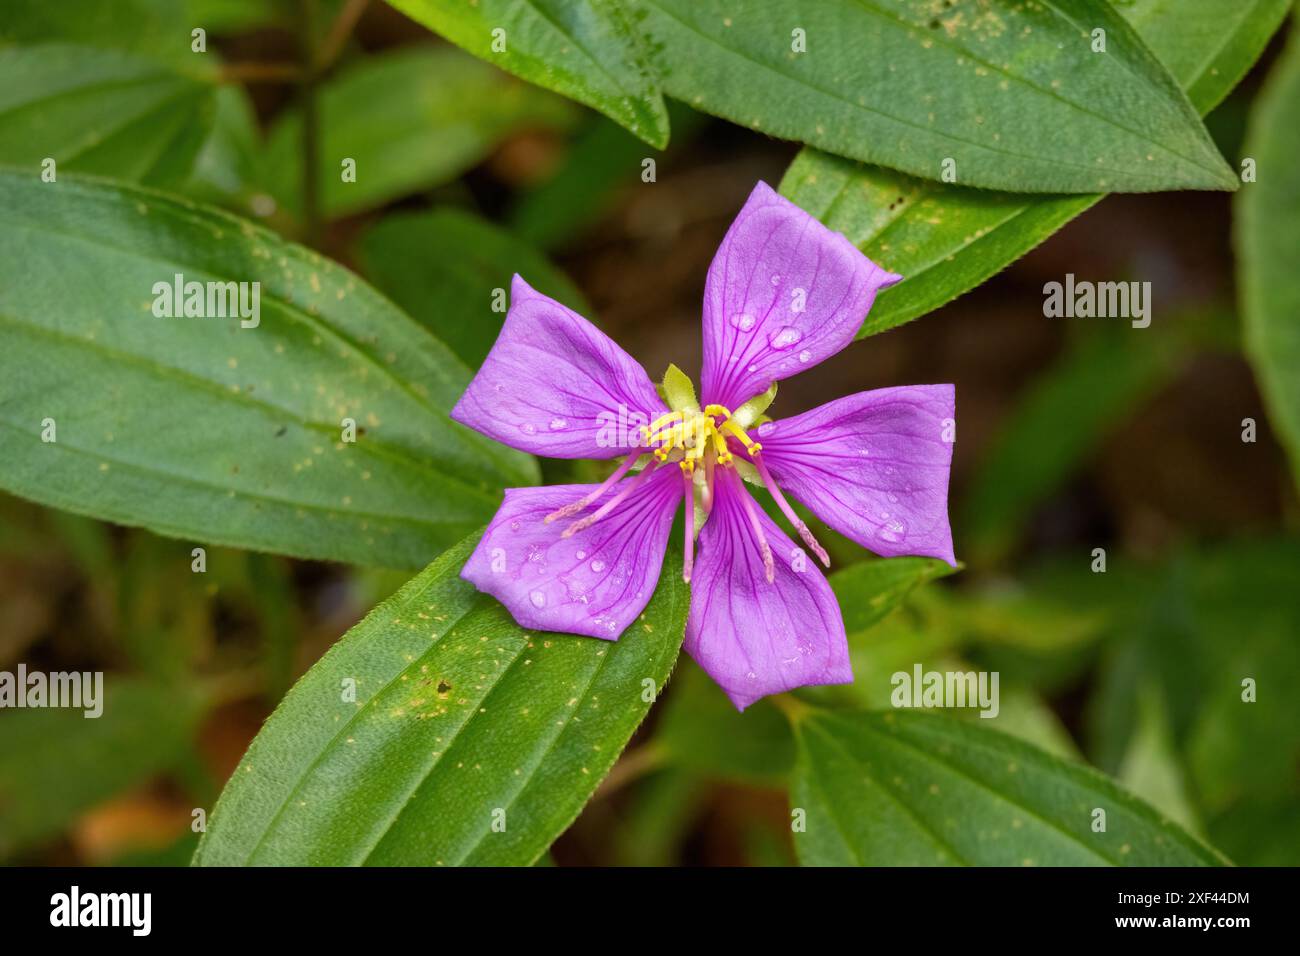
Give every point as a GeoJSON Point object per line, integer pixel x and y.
{"type": "Point", "coordinates": [720, 446]}
{"type": "Point", "coordinates": [750, 445]}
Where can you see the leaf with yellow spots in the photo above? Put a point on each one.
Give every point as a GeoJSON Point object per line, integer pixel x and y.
{"type": "Point", "coordinates": [1053, 96]}
{"type": "Point", "coordinates": [945, 239]}
{"type": "Point", "coordinates": [471, 741]}
{"type": "Point", "coordinates": [317, 428]}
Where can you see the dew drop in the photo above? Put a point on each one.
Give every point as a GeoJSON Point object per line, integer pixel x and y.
{"type": "Point", "coordinates": [581, 555]}
{"type": "Point", "coordinates": [558, 424]}
{"type": "Point", "coordinates": [893, 531]}
{"type": "Point", "coordinates": [766, 429]}
{"type": "Point", "coordinates": [784, 338]}
{"type": "Point", "coordinates": [514, 526]}
{"type": "Point", "coordinates": [527, 428]}
{"type": "Point", "coordinates": [538, 599]}
{"type": "Point", "coordinates": [743, 321]}
{"type": "Point", "coordinates": [776, 280]}
{"type": "Point", "coordinates": [597, 566]}
{"type": "Point", "coordinates": [893, 499]}
{"type": "Point", "coordinates": [753, 368]}
{"type": "Point", "coordinates": [804, 356]}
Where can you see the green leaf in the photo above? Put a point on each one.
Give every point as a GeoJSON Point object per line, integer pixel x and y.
{"type": "Point", "coordinates": [1000, 95]}
{"type": "Point", "coordinates": [1267, 237]}
{"type": "Point", "coordinates": [589, 50]}
{"type": "Point", "coordinates": [701, 730]}
{"type": "Point", "coordinates": [1151, 768]}
{"type": "Point", "coordinates": [1061, 419]}
{"type": "Point", "coordinates": [946, 239]}
{"type": "Point", "coordinates": [410, 119]}
{"type": "Point", "coordinates": [458, 713]}
{"type": "Point", "coordinates": [225, 170]}
{"type": "Point", "coordinates": [239, 16]}
{"type": "Point", "coordinates": [100, 111]}
{"type": "Point", "coordinates": [1208, 45]}
{"type": "Point", "coordinates": [891, 789]}
{"type": "Point", "coordinates": [445, 267]}
{"type": "Point", "coordinates": [202, 428]}
{"type": "Point", "coordinates": [159, 29]}
{"type": "Point", "coordinates": [868, 591]}
{"type": "Point", "coordinates": [55, 764]}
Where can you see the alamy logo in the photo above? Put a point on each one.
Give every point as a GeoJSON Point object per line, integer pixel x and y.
{"type": "Point", "coordinates": [76, 689]}
{"type": "Point", "coordinates": [103, 909]}
{"type": "Point", "coordinates": [208, 300]}
{"type": "Point", "coordinates": [946, 689]}
{"type": "Point", "coordinates": [1102, 300]}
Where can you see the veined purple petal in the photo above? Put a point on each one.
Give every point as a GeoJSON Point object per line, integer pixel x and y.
{"type": "Point", "coordinates": [783, 293]}
{"type": "Point", "coordinates": [874, 466]}
{"type": "Point", "coordinates": [754, 637]}
{"type": "Point", "coordinates": [555, 385]}
{"type": "Point", "coordinates": [595, 582]}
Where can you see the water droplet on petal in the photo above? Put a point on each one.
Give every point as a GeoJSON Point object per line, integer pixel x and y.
{"type": "Point", "coordinates": [527, 428]}
{"type": "Point", "coordinates": [776, 280]}
{"type": "Point", "coordinates": [805, 356]}
{"type": "Point", "coordinates": [893, 499]}
{"type": "Point", "coordinates": [581, 555]}
{"type": "Point", "coordinates": [538, 599]}
{"type": "Point", "coordinates": [514, 526]}
{"type": "Point", "coordinates": [766, 429]}
{"type": "Point", "coordinates": [558, 424]}
{"type": "Point", "coordinates": [753, 368]}
{"type": "Point", "coordinates": [597, 566]}
{"type": "Point", "coordinates": [743, 321]}
{"type": "Point", "coordinates": [893, 531]}
{"type": "Point", "coordinates": [784, 338]}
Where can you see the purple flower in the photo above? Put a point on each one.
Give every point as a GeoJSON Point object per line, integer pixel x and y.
{"type": "Point", "coordinates": [783, 293]}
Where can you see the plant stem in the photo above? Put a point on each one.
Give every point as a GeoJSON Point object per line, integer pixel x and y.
{"type": "Point", "coordinates": [310, 125]}
{"type": "Point", "coordinates": [338, 34]}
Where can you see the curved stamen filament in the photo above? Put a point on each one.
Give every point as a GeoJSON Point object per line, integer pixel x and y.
{"type": "Point", "coordinates": [613, 503]}
{"type": "Point", "coordinates": [692, 437]}
{"type": "Point", "coordinates": [731, 428]}
{"type": "Point", "coordinates": [574, 507]}
{"type": "Point", "coordinates": [786, 510]}
{"type": "Point", "coordinates": [688, 496]}
{"type": "Point", "coordinates": [751, 511]}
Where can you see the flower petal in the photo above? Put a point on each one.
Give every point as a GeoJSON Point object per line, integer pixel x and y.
{"type": "Point", "coordinates": [874, 466]}
{"type": "Point", "coordinates": [595, 582]}
{"type": "Point", "coordinates": [556, 385]}
{"type": "Point", "coordinates": [783, 293]}
{"type": "Point", "coordinates": [754, 637]}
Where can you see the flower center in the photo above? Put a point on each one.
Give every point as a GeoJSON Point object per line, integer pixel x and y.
{"type": "Point", "coordinates": [691, 437]}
